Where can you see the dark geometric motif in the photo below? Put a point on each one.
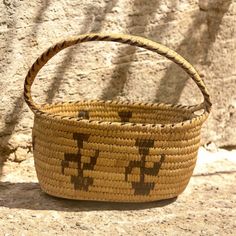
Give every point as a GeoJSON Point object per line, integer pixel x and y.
{"type": "Point", "coordinates": [80, 182]}
{"type": "Point", "coordinates": [84, 114]}
{"type": "Point", "coordinates": [142, 188]}
{"type": "Point", "coordinates": [125, 115]}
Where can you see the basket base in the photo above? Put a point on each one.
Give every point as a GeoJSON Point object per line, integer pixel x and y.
{"type": "Point", "coordinates": [102, 197]}
{"type": "Point", "coordinates": [125, 204]}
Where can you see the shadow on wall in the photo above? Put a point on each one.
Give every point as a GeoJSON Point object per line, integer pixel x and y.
{"type": "Point", "coordinates": [96, 26]}
{"type": "Point", "coordinates": [13, 118]}
{"type": "Point", "coordinates": [37, 20]}
{"type": "Point", "coordinates": [13, 195]}
{"type": "Point", "coordinates": [194, 48]}
{"type": "Point", "coordinates": [120, 73]}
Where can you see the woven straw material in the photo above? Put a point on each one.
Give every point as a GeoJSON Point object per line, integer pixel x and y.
{"type": "Point", "coordinates": [113, 150]}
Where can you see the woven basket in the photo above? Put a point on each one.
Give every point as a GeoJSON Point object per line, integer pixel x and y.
{"type": "Point", "coordinates": [113, 150]}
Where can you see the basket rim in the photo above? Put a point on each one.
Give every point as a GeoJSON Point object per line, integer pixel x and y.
{"type": "Point", "coordinates": [189, 123]}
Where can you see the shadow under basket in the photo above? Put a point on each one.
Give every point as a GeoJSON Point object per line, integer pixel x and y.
{"type": "Point", "coordinates": [112, 150]}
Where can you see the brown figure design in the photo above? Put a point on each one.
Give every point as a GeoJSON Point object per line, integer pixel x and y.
{"type": "Point", "coordinates": [142, 188]}
{"type": "Point", "coordinates": [84, 114]}
{"type": "Point", "coordinates": [125, 115]}
{"type": "Point", "coordinates": [80, 182]}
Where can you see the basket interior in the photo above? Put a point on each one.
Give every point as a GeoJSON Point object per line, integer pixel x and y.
{"type": "Point", "coordinates": [120, 112]}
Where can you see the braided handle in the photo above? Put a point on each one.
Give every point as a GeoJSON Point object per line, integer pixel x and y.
{"type": "Point", "coordinates": [126, 39]}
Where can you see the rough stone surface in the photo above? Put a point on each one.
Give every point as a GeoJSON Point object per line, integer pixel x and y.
{"type": "Point", "coordinates": [202, 31]}
{"type": "Point", "coordinates": [206, 207]}
{"type": "Point", "coordinates": [21, 154]}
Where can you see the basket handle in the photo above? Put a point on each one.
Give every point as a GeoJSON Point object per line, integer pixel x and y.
{"type": "Point", "coordinates": [126, 39]}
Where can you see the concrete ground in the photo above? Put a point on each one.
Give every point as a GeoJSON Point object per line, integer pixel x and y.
{"type": "Point", "coordinates": [207, 206]}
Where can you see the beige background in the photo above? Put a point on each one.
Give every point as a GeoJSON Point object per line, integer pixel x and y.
{"type": "Point", "coordinates": [203, 31]}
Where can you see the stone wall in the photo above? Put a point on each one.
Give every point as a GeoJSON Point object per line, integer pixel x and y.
{"type": "Point", "coordinates": [203, 31]}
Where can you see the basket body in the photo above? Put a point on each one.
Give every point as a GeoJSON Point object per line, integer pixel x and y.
{"type": "Point", "coordinates": [114, 159]}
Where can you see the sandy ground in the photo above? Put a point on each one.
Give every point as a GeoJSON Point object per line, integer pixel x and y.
{"type": "Point", "coordinates": [207, 207]}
